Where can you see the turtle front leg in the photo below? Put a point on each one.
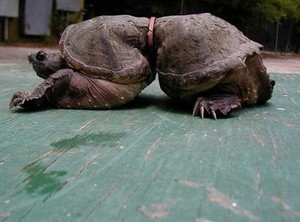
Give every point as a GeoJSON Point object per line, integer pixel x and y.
{"type": "Point", "coordinates": [218, 104]}
{"type": "Point", "coordinates": [45, 94]}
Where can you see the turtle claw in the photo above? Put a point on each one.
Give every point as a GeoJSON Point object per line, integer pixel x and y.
{"type": "Point", "coordinates": [216, 105]}
{"type": "Point", "coordinates": [25, 100]}
{"type": "Point", "coordinates": [198, 107]}
{"type": "Point", "coordinates": [18, 100]}
{"type": "Point", "coordinates": [202, 111]}
{"type": "Point", "coordinates": [214, 114]}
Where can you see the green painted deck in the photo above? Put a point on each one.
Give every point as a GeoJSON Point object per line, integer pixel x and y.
{"type": "Point", "coordinates": [150, 160]}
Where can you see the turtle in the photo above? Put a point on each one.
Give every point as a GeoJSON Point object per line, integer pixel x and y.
{"type": "Point", "coordinates": [102, 63]}
{"type": "Point", "coordinates": [205, 61]}
{"type": "Point", "coordinates": [107, 61]}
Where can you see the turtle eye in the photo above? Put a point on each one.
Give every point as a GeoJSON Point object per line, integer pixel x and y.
{"type": "Point", "coordinates": [41, 56]}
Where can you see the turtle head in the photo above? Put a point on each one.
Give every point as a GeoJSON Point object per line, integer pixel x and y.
{"type": "Point", "coordinates": [45, 64]}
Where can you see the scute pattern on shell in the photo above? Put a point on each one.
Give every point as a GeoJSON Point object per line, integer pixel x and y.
{"type": "Point", "coordinates": [108, 47]}
{"type": "Point", "coordinates": [195, 52]}
{"type": "Point", "coordinates": [199, 41]}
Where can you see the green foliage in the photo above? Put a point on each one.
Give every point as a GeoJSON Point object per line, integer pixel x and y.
{"type": "Point", "coordinates": [275, 10]}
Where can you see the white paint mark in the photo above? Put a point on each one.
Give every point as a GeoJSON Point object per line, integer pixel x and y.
{"type": "Point", "coordinates": [86, 125]}
{"type": "Point", "coordinates": [280, 109]}
{"type": "Point", "coordinates": [164, 117]}
{"type": "Point", "coordinates": [189, 136]}
{"type": "Point", "coordinates": [259, 139]}
{"type": "Point", "coordinates": [152, 148]}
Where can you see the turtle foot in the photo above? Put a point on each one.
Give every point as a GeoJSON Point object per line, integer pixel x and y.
{"type": "Point", "coordinates": [18, 99]}
{"type": "Point", "coordinates": [24, 100]}
{"type": "Point", "coordinates": [216, 105]}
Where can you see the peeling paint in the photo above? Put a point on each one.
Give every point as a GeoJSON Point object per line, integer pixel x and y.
{"type": "Point", "coordinates": [202, 220]}
{"type": "Point", "coordinates": [219, 198]}
{"type": "Point", "coordinates": [259, 139]}
{"type": "Point", "coordinates": [155, 211]}
{"type": "Point", "coordinates": [286, 207]}
{"type": "Point", "coordinates": [228, 203]}
{"type": "Point", "coordinates": [188, 183]}
{"type": "Point", "coordinates": [4, 214]}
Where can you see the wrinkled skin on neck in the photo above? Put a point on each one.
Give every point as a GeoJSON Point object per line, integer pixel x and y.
{"type": "Point", "coordinates": [45, 64]}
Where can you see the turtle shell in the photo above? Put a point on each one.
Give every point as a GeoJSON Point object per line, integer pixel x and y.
{"type": "Point", "coordinates": [196, 52]}
{"type": "Point", "coordinates": [108, 47]}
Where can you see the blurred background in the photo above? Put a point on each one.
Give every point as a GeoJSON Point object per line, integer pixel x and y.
{"type": "Point", "coordinates": [273, 23]}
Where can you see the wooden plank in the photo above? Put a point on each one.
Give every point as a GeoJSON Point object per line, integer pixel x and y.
{"type": "Point", "coordinates": [150, 160]}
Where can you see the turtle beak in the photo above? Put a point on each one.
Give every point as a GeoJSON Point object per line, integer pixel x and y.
{"type": "Point", "coordinates": [30, 58]}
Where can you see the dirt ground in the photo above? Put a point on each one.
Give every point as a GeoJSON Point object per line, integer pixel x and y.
{"type": "Point", "coordinates": [275, 63]}
{"type": "Point", "coordinates": [281, 63]}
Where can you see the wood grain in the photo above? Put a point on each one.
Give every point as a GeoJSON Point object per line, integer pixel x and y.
{"type": "Point", "coordinates": [149, 160]}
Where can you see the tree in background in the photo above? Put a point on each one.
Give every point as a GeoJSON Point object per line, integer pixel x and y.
{"type": "Point", "coordinates": [286, 12]}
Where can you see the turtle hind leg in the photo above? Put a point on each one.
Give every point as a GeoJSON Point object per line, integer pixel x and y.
{"type": "Point", "coordinates": [217, 104]}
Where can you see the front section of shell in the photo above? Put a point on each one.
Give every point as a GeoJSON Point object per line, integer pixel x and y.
{"type": "Point", "coordinates": [108, 47]}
